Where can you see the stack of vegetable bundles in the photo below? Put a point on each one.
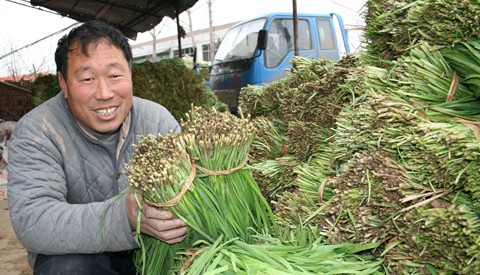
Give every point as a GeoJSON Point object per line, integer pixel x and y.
{"type": "Point", "coordinates": [200, 175]}
{"type": "Point", "coordinates": [400, 163]}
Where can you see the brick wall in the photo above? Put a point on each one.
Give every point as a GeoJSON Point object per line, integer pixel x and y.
{"type": "Point", "coordinates": [15, 100]}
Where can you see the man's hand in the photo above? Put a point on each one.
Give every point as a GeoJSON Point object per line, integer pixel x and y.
{"type": "Point", "coordinates": [155, 222]}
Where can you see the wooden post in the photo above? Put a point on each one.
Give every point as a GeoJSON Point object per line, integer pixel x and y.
{"type": "Point", "coordinates": [177, 8]}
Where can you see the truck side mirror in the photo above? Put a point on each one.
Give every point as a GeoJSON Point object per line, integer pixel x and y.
{"type": "Point", "coordinates": [262, 40]}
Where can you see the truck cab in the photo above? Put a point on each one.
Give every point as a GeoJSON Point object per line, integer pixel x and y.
{"type": "Point", "coordinates": [259, 50]}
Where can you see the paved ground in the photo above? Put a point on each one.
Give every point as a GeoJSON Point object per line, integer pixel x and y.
{"type": "Point", "coordinates": [13, 257]}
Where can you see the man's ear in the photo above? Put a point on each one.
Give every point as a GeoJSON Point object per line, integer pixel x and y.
{"type": "Point", "coordinates": [63, 84]}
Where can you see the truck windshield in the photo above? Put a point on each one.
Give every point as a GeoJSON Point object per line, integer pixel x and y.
{"type": "Point", "coordinates": [239, 42]}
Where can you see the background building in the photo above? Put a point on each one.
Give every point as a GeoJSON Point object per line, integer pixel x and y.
{"type": "Point", "coordinates": [167, 47]}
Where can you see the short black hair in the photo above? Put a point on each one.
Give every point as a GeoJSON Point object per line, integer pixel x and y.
{"type": "Point", "coordinates": [88, 33]}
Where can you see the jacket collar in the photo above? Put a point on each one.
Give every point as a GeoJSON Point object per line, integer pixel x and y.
{"type": "Point", "coordinates": [124, 128]}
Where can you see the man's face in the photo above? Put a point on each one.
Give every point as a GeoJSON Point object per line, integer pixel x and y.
{"type": "Point", "coordinates": [98, 87]}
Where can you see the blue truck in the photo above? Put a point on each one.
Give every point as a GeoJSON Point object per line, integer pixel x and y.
{"type": "Point", "coordinates": [259, 50]}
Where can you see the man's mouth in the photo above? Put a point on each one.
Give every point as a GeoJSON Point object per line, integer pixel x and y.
{"type": "Point", "coordinates": [106, 112]}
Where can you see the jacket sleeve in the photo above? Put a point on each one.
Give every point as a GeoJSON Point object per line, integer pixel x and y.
{"type": "Point", "coordinates": [42, 219]}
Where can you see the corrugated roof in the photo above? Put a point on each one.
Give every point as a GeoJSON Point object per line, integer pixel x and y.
{"type": "Point", "coordinates": [130, 16]}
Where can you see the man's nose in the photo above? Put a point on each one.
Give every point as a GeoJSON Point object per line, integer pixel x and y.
{"type": "Point", "coordinates": [103, 89]}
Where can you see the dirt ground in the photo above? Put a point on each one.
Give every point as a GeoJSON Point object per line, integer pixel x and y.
{"type": "Point", "coordinates": [13, 256]}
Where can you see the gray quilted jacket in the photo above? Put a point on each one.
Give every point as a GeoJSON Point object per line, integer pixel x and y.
{"type": "Point", "coordinates": [64, 191]}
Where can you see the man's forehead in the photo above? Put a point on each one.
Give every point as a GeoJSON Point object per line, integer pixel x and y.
{"type": "Point", "coordinates": [77, 48]}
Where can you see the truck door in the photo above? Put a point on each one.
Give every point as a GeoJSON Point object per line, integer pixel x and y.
{"type": "Point", "coordinates": [326, 44]}
{"type": "Point", "coordinates": [280, 48]}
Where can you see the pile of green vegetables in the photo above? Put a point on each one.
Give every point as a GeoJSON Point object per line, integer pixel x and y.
{"type": "Point", "coordinates": [395, 158]}
{"type": "Point", "coordinates": [274, 257]}
{"type": "Point", "coordinates": [394, 27]}
{"type": "Point", "coordinates": [171, 83]}
{"type": "Point", "coordinates": [294, 117]}
{"type": "Point", "coordinates": [373, 160]}
{"type": "Point", "coordinates": [201, 176]}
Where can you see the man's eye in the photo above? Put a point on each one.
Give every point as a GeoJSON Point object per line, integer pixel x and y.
{"type": "Point", "coordinates": [115, 75]}
{"type": "Point", "coordinates": [88, 79]}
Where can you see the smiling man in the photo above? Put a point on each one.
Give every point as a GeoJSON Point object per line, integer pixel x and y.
{"type": "Point", "coordinates": [66, 186]}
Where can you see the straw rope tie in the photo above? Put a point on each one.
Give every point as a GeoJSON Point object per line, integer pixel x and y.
{"type": "Point", "coordinates": [473, 125]}
{"type": "Point", "coordinates": [453, 87]}
{"type": "Point", "coordinates": [189, 260]}
{"type": "Point", "coordinates": [321, 188]}
{"type": "Point", "coordinates": [221, 173]}
{"type": "Point", "coordinates": [177, 198]}
{"type": "Point", "coordinates": [191, 178]}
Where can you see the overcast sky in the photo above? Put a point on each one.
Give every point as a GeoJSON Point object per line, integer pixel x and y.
{"type": "Point", "coordinates": [21, 25]}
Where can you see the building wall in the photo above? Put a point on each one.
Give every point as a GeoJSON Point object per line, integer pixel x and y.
{"type": "Point", "coordinates": [15, 100]}
{"type": "Point", "coordinates": [167, 47]}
